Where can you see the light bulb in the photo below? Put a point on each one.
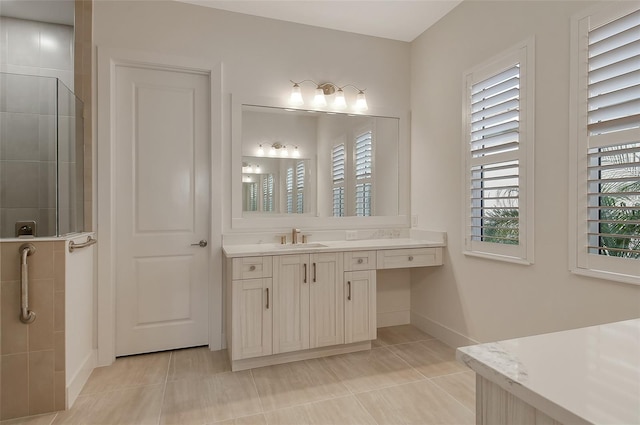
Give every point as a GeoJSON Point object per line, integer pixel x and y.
{"type": "Point", "coordinates": [296, 152]}
{"type": "Point", "coordinates": [260, 151]}
{"type": "Point", "coordinates": [296, 95]}
{"type": "Point", "coordinates": [361, 102]}
{"type": "Point", "coordinates": [339, 102]}
{"type": "Point", "coordinates": [257, 169]}
{"type": "Point", "coordinates": [272, 151]}
{"type": "Point", "coordinates": [319, 99]}
{"type": "Point", "coordinates": [249, 169]}
{"type": "Point", "coordinates": [284, 152]}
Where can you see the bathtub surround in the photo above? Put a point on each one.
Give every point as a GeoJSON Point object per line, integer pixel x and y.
{"type": "Point", "coordinates": [33, 356]}
{"type": "Point", "coordinates": [45, 364]}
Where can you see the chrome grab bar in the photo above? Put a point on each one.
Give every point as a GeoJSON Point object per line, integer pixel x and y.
{"type": "Point", "coordinates": [90, 241]}
{"type": "Point", "coordinates": [26, 316]}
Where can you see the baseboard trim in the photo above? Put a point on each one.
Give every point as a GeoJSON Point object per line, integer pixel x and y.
{"type": "Point", "coordinates": [275, 359]}
{"type": "Point", "coordinates": [393, 318]}
{"type": "Point", "coordinates": [445, 334]}
{"type": "Point", "coordinates": [77, 381]}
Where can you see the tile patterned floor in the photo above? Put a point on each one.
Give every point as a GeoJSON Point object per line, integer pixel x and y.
{"type": "Point", "coordinates": [407, 378]}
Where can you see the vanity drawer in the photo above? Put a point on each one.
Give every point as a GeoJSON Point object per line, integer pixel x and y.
{"type": "Point", "coordinates": [411, 257]}
{"type": "Point", "coordinates": [359, 260]}
{"type": "Point", "coordinates": [252, 267]}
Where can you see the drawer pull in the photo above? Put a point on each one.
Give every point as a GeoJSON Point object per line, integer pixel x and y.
{"type": "Point", "coordinates": [349, 290]}
{"type": "Point", "coordinates": [305, 273]}
{"type": "Point", "coordinates": [360, 261]}
{"type": "Point", "coordinates": [314, 272]}
{"type": "Point", "coordinates": [411, 258]}
{"type": "Point", "coordinates": [252, 268]}
{"type": "Point", "coordinates": [267, 298]}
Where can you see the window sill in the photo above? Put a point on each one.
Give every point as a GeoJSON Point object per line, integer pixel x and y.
{"type": "Point", "coordinates": [497, 257]}
{"type": "Point", "coordinates": [610, 276]}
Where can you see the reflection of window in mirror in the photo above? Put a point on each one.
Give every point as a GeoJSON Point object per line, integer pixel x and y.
{"type": "Point", "coordinates": [337, 176]}
{"type": "Point", "coordinates": [267, 193]}
{"type": "Point", "coordinates": [295, 187]}
{"type": "Point", "coordinates": [352, 175]}
{"type": "Point", "coordinates": [363, 159]}
{"type": "Point", "coordinates": [250, 196]}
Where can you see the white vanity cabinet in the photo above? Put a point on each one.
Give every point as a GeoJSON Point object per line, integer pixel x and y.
{"type": "Point", "coordinates": [295, 306]}
{"type": "Point", "coordinates": [308, 304]}
{"type": "Point", "coordinates": [360, 296]}
{"type": "Point", "coordinates": [251, 307]}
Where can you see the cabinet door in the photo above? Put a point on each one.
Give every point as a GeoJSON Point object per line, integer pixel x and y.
{"type": "Point", "coordinates": [326, 303]}
{"type": "Point", "coordinates": [360, 306]}
{"type": "Point", "coordinates": [252, 318]}
{"type": "Point", "coordinates": [290, 303]}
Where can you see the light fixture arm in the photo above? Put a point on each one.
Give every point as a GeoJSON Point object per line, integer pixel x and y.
{"type": "Point", "coordinates": [351, 85]}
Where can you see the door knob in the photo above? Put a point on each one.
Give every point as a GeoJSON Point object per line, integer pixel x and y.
{"type": "Point", "coordinates": [201, 244]}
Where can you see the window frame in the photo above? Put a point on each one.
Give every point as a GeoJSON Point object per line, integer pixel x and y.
{"type": "Point", "coordinates": [581, 261]}
{"type": "Point", "coordinates": [523, 54]}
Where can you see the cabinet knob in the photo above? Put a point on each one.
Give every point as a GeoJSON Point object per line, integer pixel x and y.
{"type": "Point", "coordinates": [411, 258]}
{"type": "Point", "coordinates": [360, 260]}
{"type": "Point", "coordinates": [252, 268]}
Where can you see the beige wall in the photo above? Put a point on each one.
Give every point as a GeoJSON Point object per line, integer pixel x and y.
{"type": "Point", "coordinates": [259, 56]}
{"type": "Point", "coordinates": [483, 299]}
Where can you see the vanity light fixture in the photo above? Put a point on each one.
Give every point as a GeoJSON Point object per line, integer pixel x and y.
{"type": "Point", "coordinates": [278, 149]}
{"type": "Point", "coordinates": [250, 169]}
{"type": "Point", "coordinates": [326, 89]}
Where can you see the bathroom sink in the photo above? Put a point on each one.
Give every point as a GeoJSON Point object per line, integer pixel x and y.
{"type": "Point", "coordinates": [300, 246]}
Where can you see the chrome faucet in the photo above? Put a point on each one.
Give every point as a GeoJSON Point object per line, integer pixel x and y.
{"type": "Point", "coordinates": [294, 235]}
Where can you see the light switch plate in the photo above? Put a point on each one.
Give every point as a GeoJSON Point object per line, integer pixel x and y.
{"type": "Point", "coordinates": [352, 235]}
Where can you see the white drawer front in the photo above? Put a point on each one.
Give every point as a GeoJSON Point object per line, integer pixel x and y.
{"type": "Point", "coordinates": [412, 257]}
{"type": "Point", "coordinates": [252, 267]}
{"type": "Point", "coordinates": [359, 260]}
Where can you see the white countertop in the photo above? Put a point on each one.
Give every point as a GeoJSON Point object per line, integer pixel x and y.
{"type": "Point", "coordinates": [252, 250]}
{"type": "Point", "coordinates": [581, 376]}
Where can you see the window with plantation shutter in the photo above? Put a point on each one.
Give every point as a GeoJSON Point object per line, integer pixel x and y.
{"type": "Point", "coordinates": [498, 149]}
{"type": "Point", "coordinates": [289, 186]}
{"type": "Point", "coordinates": [337, 177]}
{"type": "Point", "coordinates": [267, 193]}
{"type": "Point", "coordinates": [300, 187]}
{"type": "Point", "coordinates": [363, 165]}
{"type": "Point", "coordinates": [606, 114]}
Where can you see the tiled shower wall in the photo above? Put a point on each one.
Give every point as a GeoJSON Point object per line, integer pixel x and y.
{"type": "Point", "coordinates": [28, 123]}
{"type": "Point", "coordinates": [32, 357]}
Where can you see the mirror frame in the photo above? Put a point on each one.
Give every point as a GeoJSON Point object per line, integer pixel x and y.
{"type": "Point", "coordinates": [262, 223]}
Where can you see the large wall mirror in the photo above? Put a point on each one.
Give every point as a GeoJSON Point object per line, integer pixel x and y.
{"type": "Point", "coordinates": [309, 166]}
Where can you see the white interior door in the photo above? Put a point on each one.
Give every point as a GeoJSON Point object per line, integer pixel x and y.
{"type": "Point", "coordinates": [162, 208]}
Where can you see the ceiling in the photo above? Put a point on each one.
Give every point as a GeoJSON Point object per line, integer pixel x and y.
{"type": "Point", "coordinates": [54, 11]}
{"type": "Point", "coordinates": [394, 19]}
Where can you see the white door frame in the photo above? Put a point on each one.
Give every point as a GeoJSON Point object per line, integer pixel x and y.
{"type": "Point", "coordinates": [107, 60]}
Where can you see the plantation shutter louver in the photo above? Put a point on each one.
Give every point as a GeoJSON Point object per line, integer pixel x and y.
{"type": "Point", "coordinates": [337, 176]}
{"type": "Point", "coordinates": [494, 158]}
{"type": "Point", "coordinates": [613, 138]}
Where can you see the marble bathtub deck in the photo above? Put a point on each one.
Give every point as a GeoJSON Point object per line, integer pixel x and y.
{"type": "Point", "coordinates": [407, 378]}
